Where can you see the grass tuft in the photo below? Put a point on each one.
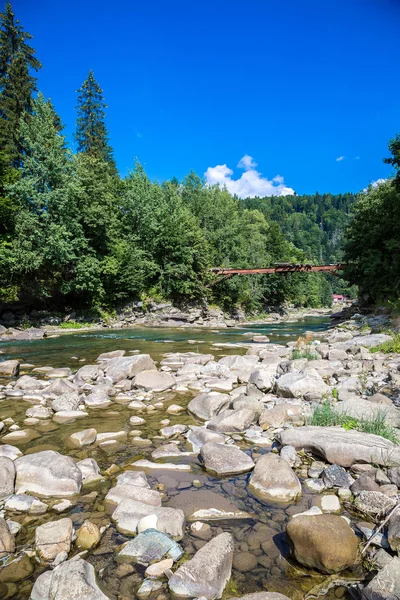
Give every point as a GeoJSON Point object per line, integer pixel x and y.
{"type": "Point", "coordinates": [392, 346]}
{"type": "Point", "coordinates": [324, 415]}
{"type": "Point", "coordinates": [73, 325]}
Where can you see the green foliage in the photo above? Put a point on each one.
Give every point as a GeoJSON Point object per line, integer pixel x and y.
{"type": "Point", "coordinates": [308, 354]}
{"type": "Point", "coordinates": [392, 346]}
{"type": "Point", "coordinates": [91, 130]}
{"type": "Point", "coordinates": [324, 415]}
{"type": "Point", "coordinates": [73, 325]}
{"type": "Point", "coordinates": [17, 61]}
{"type": "Point", "coordinates": [373, 239]}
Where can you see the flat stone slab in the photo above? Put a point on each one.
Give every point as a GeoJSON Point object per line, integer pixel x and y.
{"type": "Point", "coordinates": [344, 448]}
{"type": "Point", "coordinates": [153, 466]}
{"type": "Point", "coordinates": [205, 505]}
{"type": "Point", "coordinates": [224, 460]}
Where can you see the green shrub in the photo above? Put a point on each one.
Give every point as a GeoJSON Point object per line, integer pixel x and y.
{"type": "Point", "coordinates": [392, 346]}
{"type": "Point", "coordinates": [73, 325]}
{"type": "Point", "coordinates": [308, 354]}
{"type": "Point", "coordinates": [324, 415]}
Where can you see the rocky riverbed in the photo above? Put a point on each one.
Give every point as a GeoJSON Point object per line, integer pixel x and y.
{"type": "Point", "coordinates": [200, 476]}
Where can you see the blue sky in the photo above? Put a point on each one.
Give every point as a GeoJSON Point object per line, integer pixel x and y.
{"type": "Point", "coordinates": [289, 85]}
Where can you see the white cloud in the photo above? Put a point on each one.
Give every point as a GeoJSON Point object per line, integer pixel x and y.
{"type": "Point", "coordinates": [356, 158]}
{"type": "Point", "coordinates": [340, 158]}
{"type": "Point", "coordinates": [250, 183]}
{"type": "Point", "coordinates": [375, 184]}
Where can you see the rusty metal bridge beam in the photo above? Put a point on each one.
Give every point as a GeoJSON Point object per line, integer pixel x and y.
{"type": "Point", "coordinates": [280, 269]}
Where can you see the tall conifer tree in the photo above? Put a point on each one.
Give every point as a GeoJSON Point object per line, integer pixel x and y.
{"type": "Point", "coordinates": [91, 130]}
{"type": "Point", "coordinates": [17, 84]}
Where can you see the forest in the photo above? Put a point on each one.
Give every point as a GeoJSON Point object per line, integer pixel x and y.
{"type": "Point", "coordinates": [74, 233]}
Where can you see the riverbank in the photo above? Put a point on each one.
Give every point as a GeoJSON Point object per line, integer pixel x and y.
{"type": "Point", "coordinates": [202, 474]}
{"type": "Point", "coordinates": [157, 315]}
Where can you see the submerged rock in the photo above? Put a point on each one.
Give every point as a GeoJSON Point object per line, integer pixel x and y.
{"type": "Point", "coordinates": [324, 542]}
{"type": "Point", "coordinates": [149, 547]}
{"type": "Point", "coordinates": [207, 573]}
{"type": "Point", "coordinates": [274, 481]}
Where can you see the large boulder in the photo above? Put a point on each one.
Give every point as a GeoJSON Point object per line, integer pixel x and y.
{"type": "Point", "coordinates": [127, 367]}
{"type": "Point", "coordinates": [231, 421]}
{"type": "Point", "coordinates": [154, 381]}
{"type": "Point", "coordinates": [72, 580]}
{"type": "Point", "coordinates": [52, 538]}
{"type": "Point", "coordinates": [207, 405]}
{"type": "Point", "coordinates": [7, 476]}
{"type": "Point", "coordinates": [274, 481]}
{"type": "Point", "coordinates": [324, 542]}
{"type": "Point", "coordinates": [9, 368]}
{"type": "Point", "coordinates": [225, 461]}
{"type": "Point", "coordinates": [207, 573]}
{"type": "Point", "coordinates": [47, 473]}
{"type": "Point", "coordinates": [386, 584]}
{"type": "Point", "coordinates": [308, 384]}
{"type": "Point", "coordinates": [345, 448]}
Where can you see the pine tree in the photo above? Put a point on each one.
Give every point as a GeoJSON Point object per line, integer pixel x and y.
{"type": "Point", "coordinates": [17, 84]}
{"type": "Point", "coordinates": [91, 130]}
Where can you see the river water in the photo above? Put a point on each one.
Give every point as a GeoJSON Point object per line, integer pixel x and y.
{"type": "Point", "coordinates": [262, 561]}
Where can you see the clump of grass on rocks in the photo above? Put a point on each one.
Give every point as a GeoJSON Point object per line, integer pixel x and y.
{"type": "Point", "coordinates": [389, 347]}
{"type": "Point", "coordinates": [325, 415]}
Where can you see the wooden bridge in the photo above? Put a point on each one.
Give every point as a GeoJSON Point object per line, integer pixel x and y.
{"type": "Point", "coordinates": [225, 273]}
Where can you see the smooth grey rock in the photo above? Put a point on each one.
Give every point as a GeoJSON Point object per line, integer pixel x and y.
{"type": "Point", "coordinates": [112, 354]}
{"type": "Point", "coordinates": [87, 374]}
{"type": "Point", "coordinates": [264, 377]}
{"type": "Point", "coordinates": [140, 494]}
{"type": "Point", "coordinates": [97, 399]}
{"type": "Point", "coordinates": [47, 473]}
{"type": "Point", "coordinates": [128, 366]}
{"type": "Point", "coordinates": [274, 481]}
{"type": "Point", "coordinates": [342, 447]}
{"type": "Point", "coordinates": [72, 580]}
{"type": "Point", "coordinates": [154, 381]}
{"type": "Point", "coordinates": [25, 503]}
{"type": "Point", "coordinates": [88, 467]}
{"type": "Point", "coordinates": [52, 538]}
{"type": "Point", "coordinates": [10, 451]}
{"type": "Point", "coordinates": [198, 436]}
{"type": "Point", "coordinates": [9, 368]}
{"type": "Point", "coordinates": [137, 478]}
{"type": "Point", "coordinates": [224, 460]}
{"type": "Point", "coordinates": [207, 405]}
{"type": "Point", "coordinates": [7, 476]}
{"type": "Point", "coordinates": [149, 547]}
{"type": "Point", "coordinates": [231, 421]}
{"type": "Point", "coordinates": [297, 385]}
{"type": "Point", "coordinates": [207, 573]}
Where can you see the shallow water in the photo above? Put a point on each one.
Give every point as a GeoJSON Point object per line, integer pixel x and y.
{"type": "Point", "coordinates": [58, 351]}
{"type": "Point", "coordinates": [270, 568]}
